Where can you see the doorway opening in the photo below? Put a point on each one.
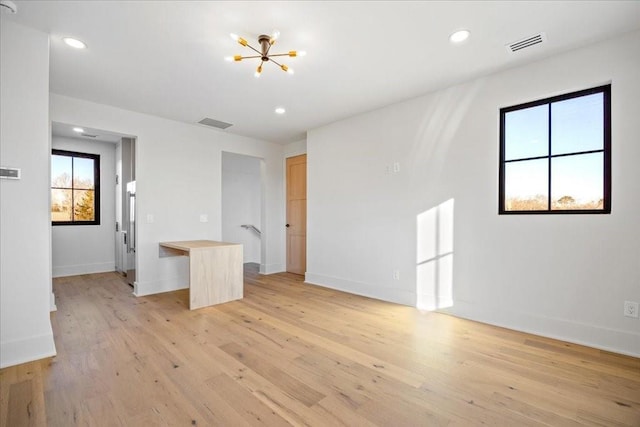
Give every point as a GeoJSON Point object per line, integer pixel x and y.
{"type": "Point", "coordinates": [243, 204]}
{"type": "Point", "coordinates": [93, 246]}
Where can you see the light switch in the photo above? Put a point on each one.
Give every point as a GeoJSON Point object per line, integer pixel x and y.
{"type": "Point", "coordinates": [150, 219]}
{"type": "Point", "coordinates": [204, 218]}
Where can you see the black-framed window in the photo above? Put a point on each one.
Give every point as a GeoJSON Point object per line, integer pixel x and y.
{"type": "Point", "coordinates": [555, 154]}
{"type": "Point", "coordinates": [75, 188]}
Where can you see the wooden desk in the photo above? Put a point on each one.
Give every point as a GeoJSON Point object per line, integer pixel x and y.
{"type": "Point", "coordinates": [215, 270]}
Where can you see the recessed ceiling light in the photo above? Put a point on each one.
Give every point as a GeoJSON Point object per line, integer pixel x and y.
{"type": "Point", "coordinates": [459, 36]}
{"type": "Point", "coordinates": [280, 110]}
{"type": "Point", "coordinates": [74, 43]}
{"type": "Point", "coordinates": [79, 130]}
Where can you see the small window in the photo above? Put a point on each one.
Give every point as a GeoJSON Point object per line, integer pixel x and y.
{"type": "Point", "coordinates": [555, 154]}
{"type": "Point", "coordinates": [75, 188]}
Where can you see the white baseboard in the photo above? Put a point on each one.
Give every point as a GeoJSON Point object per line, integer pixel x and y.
{"type": "Point", "coordinates": [614, 340]}
{"type": "Point", "coordinates": [364, 289]}
{"type": "Point", "coordinates": [141, 289]}
{"type": "Point", "coordinates": [26, 350]}
{"type": "Point", "coordinates": [75, 270]}
{"type": "Point", "coordinates": [52, 302]}
{"type": "Point", "coordinates": [272, 268]}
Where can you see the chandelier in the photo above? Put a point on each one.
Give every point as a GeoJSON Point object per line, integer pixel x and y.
{"type": "Point", "coordinates": [263, 53]}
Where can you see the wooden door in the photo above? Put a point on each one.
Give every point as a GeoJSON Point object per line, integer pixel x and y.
{"type": "Point", "coordinates": [297, 214]}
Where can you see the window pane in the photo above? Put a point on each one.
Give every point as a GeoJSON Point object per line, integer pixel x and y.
{"type": "Point", "coordinates": [82, 172]}
{"type": "Point", "coordinates": [526, 185]}
{"type": "Point", "coordinates": [577, 182]}
{"type": "Point", "coordinates": [83, 208]}
{"type": "Point", "coordinates": [527, 133]}
{"type": "Point", "coordinates": [60, 205]}
{"type": "Point", "coordinates": [577, 124]}
{"type": "Point", "coordinates": [61, 171]}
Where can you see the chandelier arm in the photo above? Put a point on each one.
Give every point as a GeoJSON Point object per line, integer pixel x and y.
{"type": "Point", "coordinates": [279, 65]}
{"type": "Point", "coordinates": [255, 50]}
{"type": "Point", "coordinates": [251, 57]}
{"type": "Point", "coordinates": [279, 54]}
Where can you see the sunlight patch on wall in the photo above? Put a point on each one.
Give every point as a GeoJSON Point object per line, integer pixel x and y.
{"type": "Point", "coordinates": [434, 264]}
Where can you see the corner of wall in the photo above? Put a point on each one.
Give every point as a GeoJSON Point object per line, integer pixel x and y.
{"type": "Point", "coordinates": [141, 289]}
{"type": "Point", "coordinates": [614, 340]}
{"type": "Point", "coordinates": [272, 268]}
{"type": "Point", "coordinates": [363, 289]}
{"type": "Point", "coordinates": [27, 349]}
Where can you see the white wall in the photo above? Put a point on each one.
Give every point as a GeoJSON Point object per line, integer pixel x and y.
{"type": "Point", "coordinates": [85, 249]}
{"type": "Point", "coordinates": [178, 178]}
{"type": "Point", "coordinates": [295, 148]}
{"type": "Point", "coordinates": [25, 224]}
{"type": "Point", "coordinates": [562, 276]}
{"type": "Point", "coordinates": [241, 202]}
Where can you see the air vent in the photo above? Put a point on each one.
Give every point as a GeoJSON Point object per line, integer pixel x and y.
{"type": "Point", "coordinates": [214, 123]}
{"type": "Point", "coordinates": [88, 135]}
{"type": "Point", "coordinates": [525, 43]}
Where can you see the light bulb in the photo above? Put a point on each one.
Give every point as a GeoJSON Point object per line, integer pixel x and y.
{"type": "Point", "coordinates": [290, 71]}
{"type": "Point", "coordinates": [302, 53]}
{"type": "Point", "coordinates": [258, 71]}
{"type": "Point", "coordinates": [228, 58]}
{"type": "Point", "coordinates": [280, 110]}
{"type": "Point", "coordinates": [274, 37]}
{"type": "Point", "coordinates": [234, 36]}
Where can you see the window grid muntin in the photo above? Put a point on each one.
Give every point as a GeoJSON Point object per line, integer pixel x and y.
{"type": "Point", "coordinates": [95, 189]}
{"type": "Point", "coordinates": [606, 150]}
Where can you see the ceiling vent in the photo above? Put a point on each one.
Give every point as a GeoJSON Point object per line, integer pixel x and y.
{"type": "Point", "coordinates": [214, 123]}
{"type": "Point", "coordinates": [525, 43]}
{"type": "Point", "coordinates": [88, 135]}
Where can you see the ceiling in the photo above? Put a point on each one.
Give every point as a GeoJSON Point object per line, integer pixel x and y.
{"type": "Point", "coordinates": [67, 131]}
{"type": "Point", "coordinates": [165, 58]}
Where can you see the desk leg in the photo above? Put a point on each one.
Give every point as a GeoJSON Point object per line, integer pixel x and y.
{"type": "Point", "coordinates": [215, 276]}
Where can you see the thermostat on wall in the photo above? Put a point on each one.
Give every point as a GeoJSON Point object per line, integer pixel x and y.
{"type": "Point", "coordinates": [9, 173]}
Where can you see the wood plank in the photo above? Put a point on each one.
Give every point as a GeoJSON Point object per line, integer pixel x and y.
{"type": "Point", "coordinates": [275, 375]}
{"type": "Point", "coordinates": [21, 411]}
{"type": "Point", "coordinates": [292, 353]}
{"type": "Point", "coordinates": [244, 403]}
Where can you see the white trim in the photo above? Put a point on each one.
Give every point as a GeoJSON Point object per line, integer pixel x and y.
{"type": "Point", "coordinates": [390, 294]}
{"type": "Point", "coordinates": [52, 302]}
{"type": "Point", "coordinates": [614, 340]}
{"type": "Point", "coordinates": [141, 289]}
{"type": "Point", "coordinates": [75, 270]}
{"type": "Point", "coordinates": [26, 350]}
{"type": "Point", "coordinates": [272, 268]}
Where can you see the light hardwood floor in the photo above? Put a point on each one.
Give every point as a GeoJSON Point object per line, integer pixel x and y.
{"type": "Point", "coordinates": [295, 354]}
